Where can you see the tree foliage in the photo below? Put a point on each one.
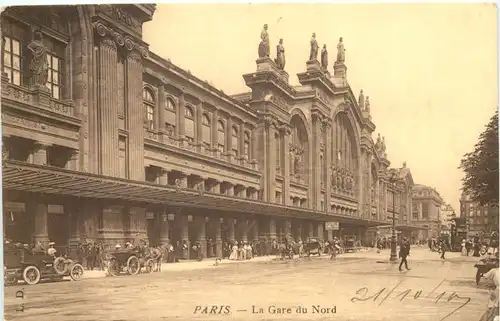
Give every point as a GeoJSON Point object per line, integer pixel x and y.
{"type": "Point", "coordinates": [481, 167]}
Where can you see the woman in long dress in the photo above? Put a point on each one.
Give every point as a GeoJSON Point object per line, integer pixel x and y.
{"type": "Point", "coordinates": [234, 252]}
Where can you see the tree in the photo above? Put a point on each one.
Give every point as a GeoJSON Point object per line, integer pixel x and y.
{"type": "Point", "coordinates": [481, 167]}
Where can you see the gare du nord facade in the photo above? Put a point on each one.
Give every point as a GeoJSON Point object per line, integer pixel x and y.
{"type": "Point", "coordinates": [108, 140]}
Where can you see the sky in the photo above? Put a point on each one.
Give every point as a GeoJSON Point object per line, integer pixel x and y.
{"type": "Point", "coordinates": [430, 69]}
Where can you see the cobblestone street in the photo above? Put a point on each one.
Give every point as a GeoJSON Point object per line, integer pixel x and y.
{"type": "Point", "coordinates": [267, 289]}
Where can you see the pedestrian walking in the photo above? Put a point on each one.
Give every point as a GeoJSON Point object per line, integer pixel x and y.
{"type": "Point", "coordinates": [404, 252]}
{"type": "Point", "coordinates": [442, 246]}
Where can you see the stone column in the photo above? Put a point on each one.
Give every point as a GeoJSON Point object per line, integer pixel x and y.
{"type": "Point", "coordinates": [108, 109]}
{"type": "Point", "coordinates": [218, 236]}
{"type": "Point", "coordinates": [161, 107]}
{"type": "Point", "coordinates": [230, 189]}
{"type": "Point", "coordinates": [163, 177]}
{"type": "Point", "coordinates": [320, 230]}
{"type": "Point", "coordinates": [74, 225]}
{"type": "Point", "coordinates": [328, 161]}
{"type": "Point", "coordinates": [135, 116]}
{"type": "Point", "coordinates": [310, 229]}
{"type": "Point", "coordinates": [287, 132]}
{"type": "Point", "coordinates": [215, 137]}
{"type": "Point", "coordinates": [216, 187]}
{"type": "Point", "coordinates": [272, 228]}
{"type": "Point", "coordinates": [229, 138]}
{"type": "Point", "coordinates": [271, 161]}
{"type": "Point", "coordinates": [180, 128]}
{"type": "Point", "coordinates": [202, 237]}
{"type": "Point", "coordinates": [38, 207]}
{"type": "Point", "coordinates": [183, 222]}
{"type": "Point", "coordinates": [288, 227]}
{"type": "Point", "coordinates": [73, 162]}
{"type": "Point", "coordinates": [255, 230]}
{"type": "Point", "coordinates": [230, 224]}
{"type": "Point", "coordinates": [242, 228]}
{"type": "Point", "coordinates": [299, 229]}
{"type": "Point", "coordinates": [164, 228]}
{"type": "Point", "coordinates": [329, 235]}
{"type": "Point", "coordinates": [315, 191]}
{"type": "Point", "coordinates": [40, 154]}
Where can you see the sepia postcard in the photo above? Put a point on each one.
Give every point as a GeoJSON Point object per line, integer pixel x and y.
{"type": "Point", "coordinates": [250, 161]}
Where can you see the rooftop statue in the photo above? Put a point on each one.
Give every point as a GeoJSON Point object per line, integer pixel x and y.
{"type": "Point", "coordinates": [264, 48]}
{"type": "Point", "coordinates": [324, 58]}
{"type": "Point", "coordinates": [367, 104]}
{"type": "Point", "coordinates": [314, 48]}
{"type": "Point", "coordinates": [280, 55]}
{"type": "Point", "coordinates": [361, 100]}
{"type": "Point", "coordinates": [340, 51]}
{"type": "Point", "coordinates": [378, 144]}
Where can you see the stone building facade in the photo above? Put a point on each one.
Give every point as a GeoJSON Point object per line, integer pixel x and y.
{"type": "Point", "coordinates": [426, 211]}
{"type": "Point", "coordinates": [104, 140]}
{"type": "Point", "coordinates": [482, 220]}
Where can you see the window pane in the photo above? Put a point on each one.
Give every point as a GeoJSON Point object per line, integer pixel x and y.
{"type": "Point", "coordinates": [56, 92]}
{"type": "Point", "coordinates": [15, 47]}
{"type": "Point", "coordinates": [7, 59]}
{"type": "Point", "coordinates": [16, 62]}
{"type": "Point", "coordinates": [221, 137]}
{"type": "Point", "coordinates": [55, 63]}
{"type": "Point", "coordinates": [189, 126]}
{"type": "Point", "coordinates": [7, 44]}
{"type": "Point", "coordinates": [55, 79]}
{"type": "Point", "coordinates": [206, 134]}
{"type": "Point", "coordinates": [49, 77]}
{"type": "Point", "coordinates": [171, 118]}
{"type": "Point", "coordinates": [234, 142]}
{"type": "Point", "coordinates": [49, 60]}
{"type": "Point", "coordinates": [16, 78]}
{"type": "Point", "coordinates": [246, 148]}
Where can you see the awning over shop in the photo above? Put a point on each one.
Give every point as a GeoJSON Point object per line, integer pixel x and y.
{"type": "Point", "coordinates": [409, 227]}
{"type": "Point", "coordinates": [21, 176]}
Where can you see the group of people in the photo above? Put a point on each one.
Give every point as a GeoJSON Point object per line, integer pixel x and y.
{"type": "Point", "coordinates": [241, 251]}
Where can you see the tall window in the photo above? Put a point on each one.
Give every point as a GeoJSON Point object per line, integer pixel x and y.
{"type": "Point", "coordinates": [170, 116]}
{"type": "Point", "coordinates": [234, 141]}
{"type": "Point", "coordinates": [206, 132]}
{"type": "Point", "coordinates": [189, 123]}
{"type": "Point", "coordinates": [414, 211]}
{"type": "Point", "coordinates": [277, 141]}
{"type": "Point", "coordinates": [55, 54]}
{"type": "Point", "coordinates": [246, 145]}
{"type": "Point", "coordinates": [425, 210]}
{"type": "Point", "coordinates": [221, 136]}
{"type": "Point", "coordinates": [15, 40]}
{"type": "Point", "coordinates": [149, 108]}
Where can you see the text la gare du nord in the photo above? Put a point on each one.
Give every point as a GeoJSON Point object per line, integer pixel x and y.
{"type": "Point", "coordinates": [271, 309]}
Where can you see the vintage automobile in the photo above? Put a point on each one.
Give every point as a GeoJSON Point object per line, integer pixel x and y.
{"type": "Point", "coordinates": [350, 244]}
{"type": "Point", "coordinates": [129, 260]}
{"type": "Point", "coordinates": [312, 246]}
{"type": "Point", "coordinates": [23, 263]}
{"type": "Point", "coordinates": [484, 266]}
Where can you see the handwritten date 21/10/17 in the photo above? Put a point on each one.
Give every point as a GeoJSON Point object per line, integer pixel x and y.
{"type": "Point", "coordinates": [384, 294]}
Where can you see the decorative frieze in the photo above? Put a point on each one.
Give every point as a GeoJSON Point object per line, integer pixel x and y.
{"type": "Point", "coordinates": [120, 16]}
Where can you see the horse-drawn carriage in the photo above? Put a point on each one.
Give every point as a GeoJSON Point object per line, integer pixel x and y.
{"type": "Point", "coordinates": [130, 261]}
{"type": "Point", "coordinates": [23, 263]}
{"type": "Point", "coordinates": [312, 246]}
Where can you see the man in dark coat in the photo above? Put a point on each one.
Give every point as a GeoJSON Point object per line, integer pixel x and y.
{"type": "Point", "coordinates": [404, 251]}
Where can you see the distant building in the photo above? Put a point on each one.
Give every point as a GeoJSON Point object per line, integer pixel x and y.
{"type": "Point", "coordinates": [426, 210]}
{"type": "Point", "coordinates": [482, 219]}
{"type": "Point", "coordinates": [447, 215]}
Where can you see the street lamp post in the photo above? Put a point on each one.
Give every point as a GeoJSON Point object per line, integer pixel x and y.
{"type": "Point", "coordinates": [394, 257]}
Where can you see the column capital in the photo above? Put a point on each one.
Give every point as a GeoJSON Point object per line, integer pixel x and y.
{"type": "Point", "coordinates": [123, 41]}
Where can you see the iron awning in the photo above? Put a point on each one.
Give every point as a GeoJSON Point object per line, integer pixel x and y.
{"type": "Point", "coordinates": [22, 176]}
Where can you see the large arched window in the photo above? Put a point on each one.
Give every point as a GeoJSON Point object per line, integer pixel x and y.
{"type": "Point", "coordinates": [189, 123]}
{"type": "Point", "coordinates": [170, 116]}
{"type": "Point", "coordinates": [221, 136]}
{"type": "Point", "coordinates": [206, 132]}
{"type": "Point", "coordinates": [246, 145]}
{"type": "Point", "coordinates": [235, 141]}
{"type": "Point", "coordinates": [344, 156]}
{"type": "Point", "coordinates": [149, 108]}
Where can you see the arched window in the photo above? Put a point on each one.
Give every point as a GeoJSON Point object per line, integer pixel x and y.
{"type": "Point", "coordinates": [149, 108]}
{"type": "Point", "coordinates": [206, 132]}
{"type": "Point", "coordinates": [246, 145]}
{"type": "Point", "coordinates": [170, 116]}
{"type": "Point", "coordinates": [221, 136]}
{"type": "Point", "coordinates": [189, 123]}
{"type": "Point", "coordinates": [235, 141]}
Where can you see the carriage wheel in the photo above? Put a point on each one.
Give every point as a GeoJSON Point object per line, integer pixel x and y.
{"type": "Point", "coordinates": [114, 267]}
{"type": "Point", "coordinates": [9, 279]}
{"type": "Point", "coordinates": [150, 265]}
{"type": "Point", "coordinates": [133, 265]}
{"type": "Point", "coordinates": [60, 266]}
{"type": "Point", "coordinates": [76, 272]}
{"type": "Point", "coordinates": [31, 275]}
